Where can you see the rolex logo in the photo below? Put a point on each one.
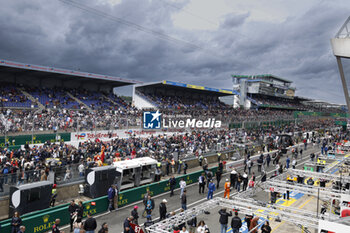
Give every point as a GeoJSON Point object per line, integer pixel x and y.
{"type": "Point", "coordinates": [46, 218]}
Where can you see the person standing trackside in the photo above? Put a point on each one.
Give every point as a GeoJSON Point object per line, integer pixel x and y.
{"type": "Point", "coordinates": [135, 215]}
{"type": "Point", "coordinates": [266, 227]}
{"type": "Point", "coordinates": [227, 189]}
{"type": "Point", "coordinates": [224, 219]}
{"type": "Point", "coordinates": [145, 199]}
{"type": "Point", "coordinates": [236, 223]}
{"type": "Point", "coordinates": [211, 189]}
{"type": "Point", "coordinates": [90, 224]}
{"type": "Point", "coordinates": [104, 228]}
{"type": "Point", "coordinates": [72, 209]}
{"type": "Point", "coordinates": [53, 195]}
{"type": "Point", "coordinates": [233, 178]}
{"type": "Point", "coordinates": [162, 210]}
{"type": "Point", "coordinates": [268, 160]}
{"type": "Point", "coordinates": [185, 167]}
{"type": "Point", "coordinates": [80, 211]}
{"type": "Point", "coordinates": [182, 186]}
{"type": "Point", "coordinates": [126, 225]}
{"type": "Point", "coordinates": [55, 227]}
{"type": "Point", "coordinates": [16, 222]}
{"type": "Point", "coordinates": [22, 229]}
{"type": "Point", "coordinates": [111, 195]}
{"type": "Point", "coordinates": [184, 201]}
{"type": "Point", "coordinates": [218, 177]}
{"type": "Point", "coordinates": [201, 181]}
{"type": "Point", "coordinates": [172, 183]}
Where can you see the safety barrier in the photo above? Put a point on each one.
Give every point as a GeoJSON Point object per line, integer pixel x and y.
{"type": "Point", "coordinates": [16, 141]}
{"type": "Point", "coordinates": [42, 221]}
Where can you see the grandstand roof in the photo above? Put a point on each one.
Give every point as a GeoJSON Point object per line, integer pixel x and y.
{"type": "Point", "coordinates": [190, 87]}
{"type": "Point", "coordinates": [21, 70]}
{"type": "Point", "coordinates": [262, 76]}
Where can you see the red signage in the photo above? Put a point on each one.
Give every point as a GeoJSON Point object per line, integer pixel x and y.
{"type": "Point", "coordinates": [136, 228]}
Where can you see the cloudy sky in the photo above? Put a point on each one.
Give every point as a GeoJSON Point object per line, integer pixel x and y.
{"type": "Point", "coordinates": [194, 41]}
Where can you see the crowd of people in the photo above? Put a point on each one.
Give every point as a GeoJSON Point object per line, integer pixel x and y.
{"type": "Point", "coordinates": [33, 163]}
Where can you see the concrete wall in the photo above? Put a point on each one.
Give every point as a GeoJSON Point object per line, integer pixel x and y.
{"type": "Point", "coordinates": [141, 103]}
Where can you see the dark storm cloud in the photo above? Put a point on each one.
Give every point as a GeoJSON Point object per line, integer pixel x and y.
{"type": "Point", "coordinates": [233, 20]}
{"type": "Point", "coordinates": [54, 34]}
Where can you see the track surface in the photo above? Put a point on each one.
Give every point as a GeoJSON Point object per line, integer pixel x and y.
{"type": "Point", "coordinates": [116, 218]}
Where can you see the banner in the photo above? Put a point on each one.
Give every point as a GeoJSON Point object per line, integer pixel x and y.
{"type": "Point", "coordinates": [120, 133]}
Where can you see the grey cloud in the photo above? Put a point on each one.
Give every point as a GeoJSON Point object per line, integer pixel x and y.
{"type": "Point", "coordinates": [233, 20]}
{"type": "Point", "coordinates": [58, 35]}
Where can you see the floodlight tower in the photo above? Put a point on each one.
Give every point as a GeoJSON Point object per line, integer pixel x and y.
{"type": "Point", "coordinates": [341, 49]}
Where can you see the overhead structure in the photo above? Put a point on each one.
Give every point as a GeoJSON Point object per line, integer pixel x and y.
{"type": "Point", "coordinates": [42, 76]}
{"type": "Point", "coordinates": [319, 175]}
{"type": "Point", "coordinates": [323, 192]}
{"type": "Point", "coordinates": [245, 206]}
{"type": "Point", "coordinates": [341, 49]}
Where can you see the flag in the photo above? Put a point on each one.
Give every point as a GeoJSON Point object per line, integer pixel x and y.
{"type": "Point", "coordinates": [136, 228]}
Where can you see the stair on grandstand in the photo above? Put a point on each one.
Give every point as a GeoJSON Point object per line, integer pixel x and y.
{"type": "Point", "coordinates": [110, 100]}
{"type": "Point", "coordinates": [79, 101]}
{"type": "Point", "coordinates": [30, 97]}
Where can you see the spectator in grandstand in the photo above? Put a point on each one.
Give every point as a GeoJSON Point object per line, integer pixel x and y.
{"type": "Point", "coordinates": [90, 224]}
{"type": "Point", "coordinates": [16, 222]}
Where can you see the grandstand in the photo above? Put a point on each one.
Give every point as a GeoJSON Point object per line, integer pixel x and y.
{"type": "Point", "coordinates": [55, 98]}
{"type": "Point", "coordinates": [176, 95]}
{"type": "Point", "coordinates": [268, 91]}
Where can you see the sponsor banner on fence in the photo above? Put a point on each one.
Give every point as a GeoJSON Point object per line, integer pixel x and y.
{"type": "Point", "coordinates": [107, 135]}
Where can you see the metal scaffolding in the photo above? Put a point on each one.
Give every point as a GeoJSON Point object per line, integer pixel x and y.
{"type": "Point", "coordinates": [319, 175]}
{"type": "Point", "coordinates": [245, 206]}
{"type": "Point", "coordinates": [283, 186]}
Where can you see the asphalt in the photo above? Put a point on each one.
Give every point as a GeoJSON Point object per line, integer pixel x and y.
{"type": "Point", "coordinates": [116, 218]}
